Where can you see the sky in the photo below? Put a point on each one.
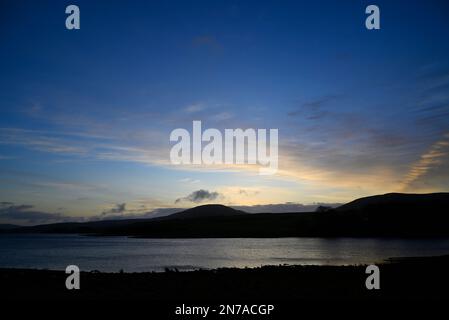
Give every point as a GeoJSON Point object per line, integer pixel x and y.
{"type": "Point", "coordinates": [86, 115]}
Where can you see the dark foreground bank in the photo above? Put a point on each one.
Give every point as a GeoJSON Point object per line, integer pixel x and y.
{"type": "Point", "coordinates": [412, 278]}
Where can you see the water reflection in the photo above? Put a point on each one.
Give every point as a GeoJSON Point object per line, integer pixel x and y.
{"type": "Point", "coordinates": [133, 255]}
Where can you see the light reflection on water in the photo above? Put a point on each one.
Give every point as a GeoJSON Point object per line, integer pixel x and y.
{"type": "Point", "coordinates": [134, 255]}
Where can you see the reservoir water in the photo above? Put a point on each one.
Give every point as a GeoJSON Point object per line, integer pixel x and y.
{"type": "Point", "coordinates": [111, 254]}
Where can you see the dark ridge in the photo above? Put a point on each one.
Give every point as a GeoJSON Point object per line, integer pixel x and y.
{"type": "Point", "coordinates": [399, 200]}
{"type": "Point", "coordinates": [389, 215]}
{"type": "Point", "coordinates": [8, 226]}
{"type": "Point", "coordinates": [208, 210]}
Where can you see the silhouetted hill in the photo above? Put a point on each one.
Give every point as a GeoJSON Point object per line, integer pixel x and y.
{"type": "Point", "coordinates": [397, 214]}
{"type": "Point", "coordinates": [77, 227]}
{"type": "Point", "coordinates": [8, 226]}
{"type": "Point", "coordinates": [390, 215]}
{"type": "Point", "coordinates": [208, 210]}
{"type": "Point", "coordinates": [401, 201]}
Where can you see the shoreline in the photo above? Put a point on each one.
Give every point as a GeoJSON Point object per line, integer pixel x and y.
{"type": "Point", "coordinates": [403, 278]}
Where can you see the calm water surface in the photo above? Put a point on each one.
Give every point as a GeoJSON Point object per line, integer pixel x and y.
{"type": "Point", "coordinates": [133, 255]}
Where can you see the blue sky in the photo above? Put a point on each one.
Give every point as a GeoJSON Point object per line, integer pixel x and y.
{"type": "Point", "coordinates": [85, 115]}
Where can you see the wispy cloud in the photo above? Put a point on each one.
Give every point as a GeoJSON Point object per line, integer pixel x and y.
{"type": "Point", "coordinates": [26, 214]}
{"type": "Point", "coordinates": [86, 146]}
{"type": "Point", "coordinates": [6, 157]}
{"type": "Point", "coordinates": [189, 180]}
{"type": "Point", "coordinates": [428, 161]}
{"type": "Point", "coordinates": [314, 109]}
{"type": "Point", "coordinates": [207, 41]}
{"type": "Point", "coordinates": [323, 142]}
{"type": "Point", "coordinates": [118, 208]}
{"type": "Point", "coordinates": [196, 107]}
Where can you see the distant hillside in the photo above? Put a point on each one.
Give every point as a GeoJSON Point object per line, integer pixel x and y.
{"type": "Point", "coordinates": [102, 226]}
{"type": "Point", "coordinates": [8, 226]}
{"type": "Point", "coordinates": [396, 214]}
{"type": "Point", "coordinates": [389, 215]}
{"type": "Point", "coordinates": [209, 210]}
{"type": "Point", "coordinates": [401, 201]}
{"type": "Point", "coordinates": [77, 227]}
